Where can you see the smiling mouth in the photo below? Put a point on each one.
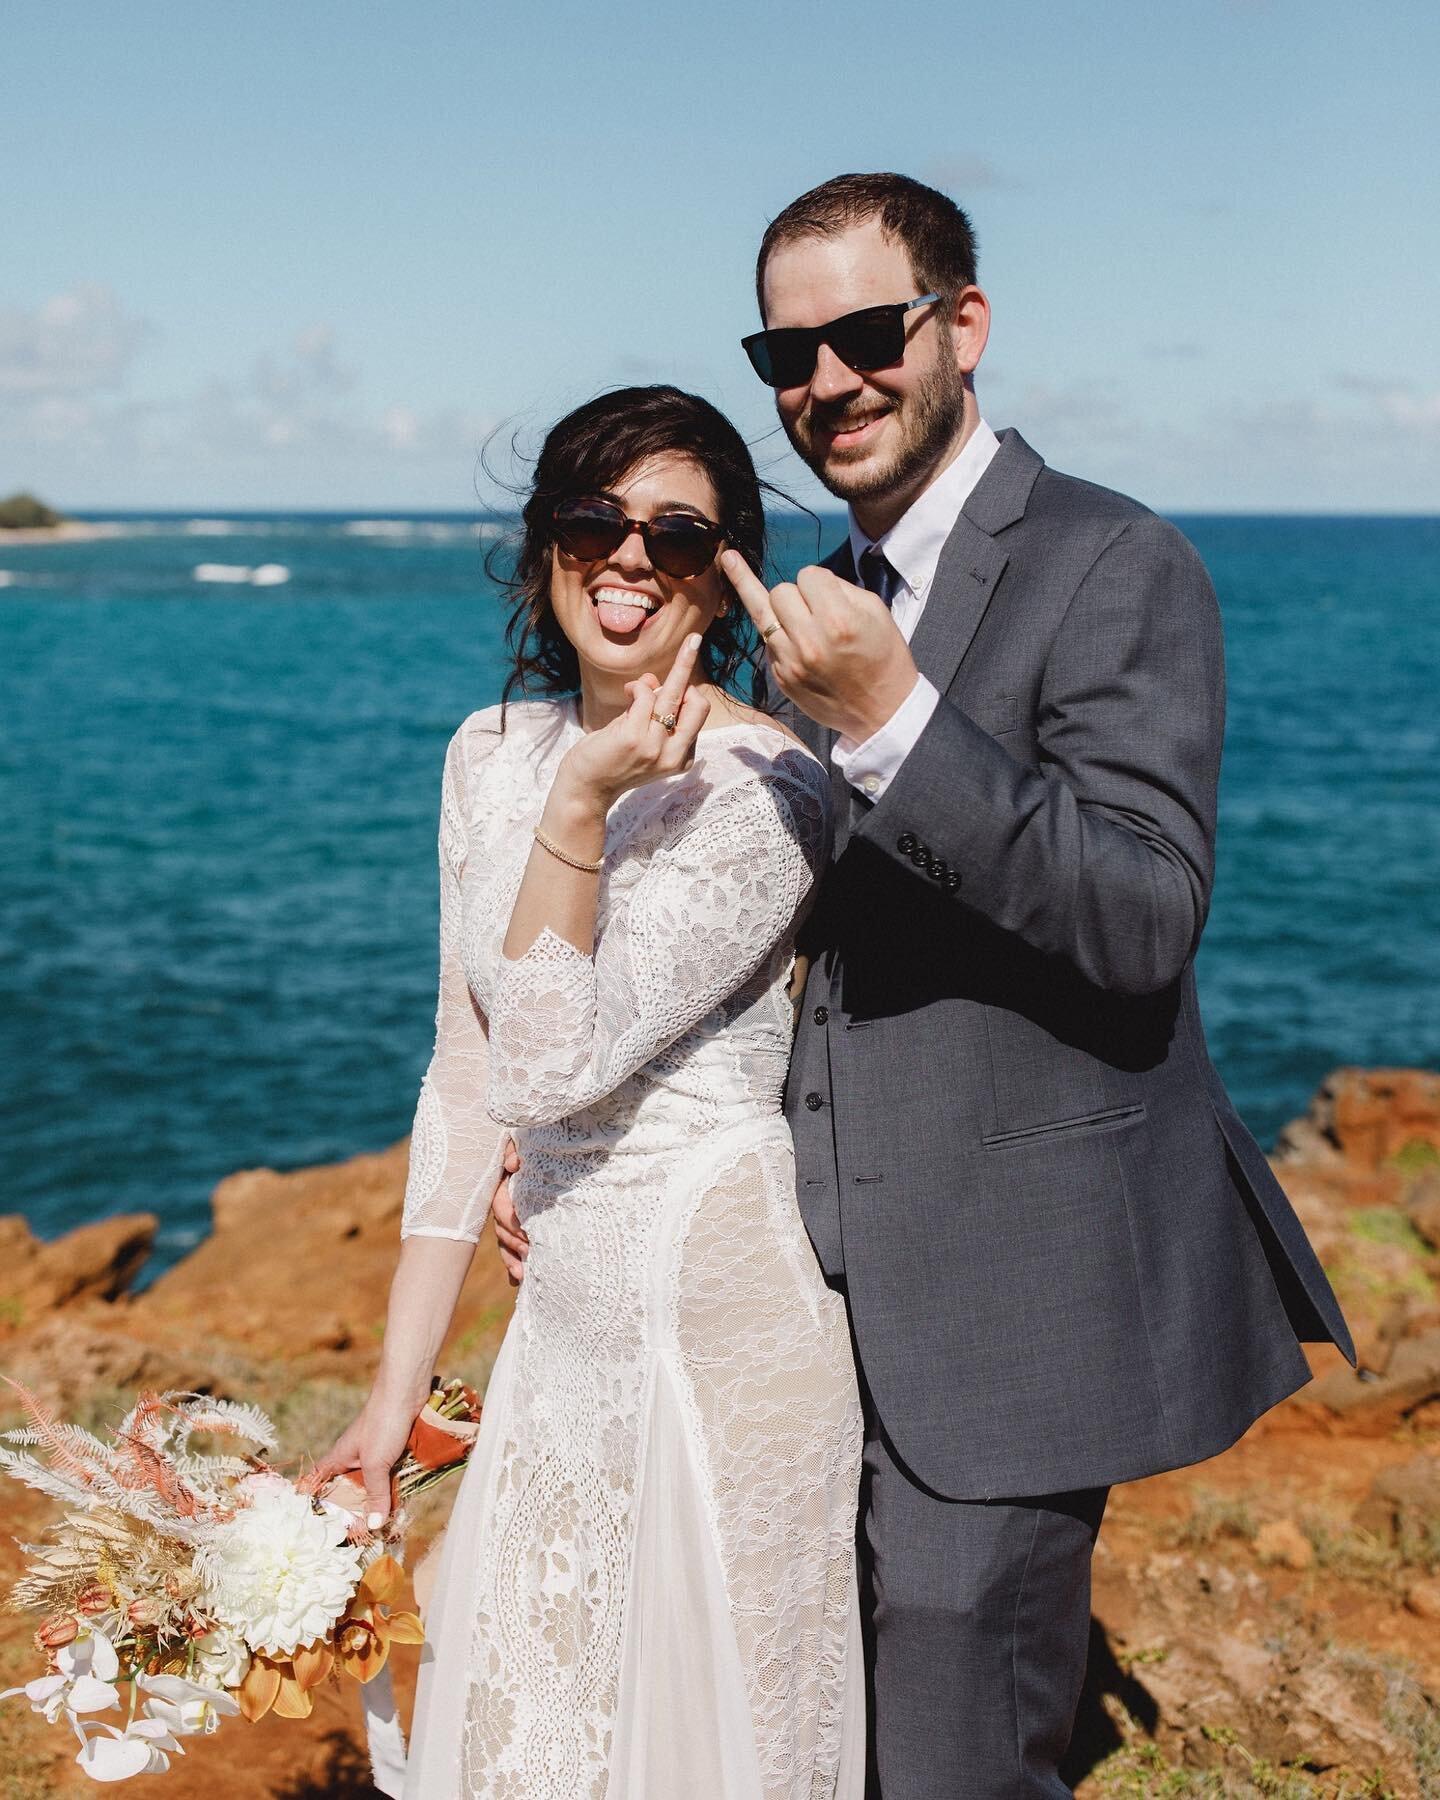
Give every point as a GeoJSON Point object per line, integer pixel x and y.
{"type": "Point", "coordinates": [853, 431]}
{"type": "Point", "coordinates": [623, 610]}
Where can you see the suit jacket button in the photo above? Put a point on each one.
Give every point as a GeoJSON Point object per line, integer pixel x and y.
{"type": "Point", "coordinates": [952, 880]}
{"type": "Point", "coordinates": [939, 868]}
{"type": "Point", "coordinates": [920, 856]}
{"type": "Point", "coordinates": [906, 842]}
{"type": "Point", "coordinates": [821, 1015]}
{"type": "Point", "coordinates": [814, 1102]}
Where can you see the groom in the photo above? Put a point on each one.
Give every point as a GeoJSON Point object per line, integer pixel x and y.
{"type": "Point", "coordinates": [1066, 1261]}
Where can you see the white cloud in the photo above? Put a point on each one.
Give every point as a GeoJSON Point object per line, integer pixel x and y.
{"type": "Point", "coordinates": [81, 342]}
{"type": "Point", "coordinates": [1350, 446]}
{"type": "Point", "coordinates": [66, 419]}
{"type": "Point", "coordinates": [1398, 402]}
{"type": "Point", "coordinates": [311, 367]}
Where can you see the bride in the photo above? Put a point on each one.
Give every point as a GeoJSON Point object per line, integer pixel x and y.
{"type": "Point", "coordinates": [647, 1588]}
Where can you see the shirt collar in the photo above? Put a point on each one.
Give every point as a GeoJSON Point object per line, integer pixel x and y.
{"type": "Point", "coordinates": [913, 543]}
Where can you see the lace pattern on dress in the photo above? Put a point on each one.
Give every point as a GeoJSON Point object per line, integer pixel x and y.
{"type": "Point", "coordinates": [644, 1082]}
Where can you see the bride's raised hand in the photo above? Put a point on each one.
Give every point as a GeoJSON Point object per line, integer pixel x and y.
{"type": "Point", "coordinates": [655, 736]}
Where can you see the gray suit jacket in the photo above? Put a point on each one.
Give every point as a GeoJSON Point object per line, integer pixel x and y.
{"type": "Point", "coordinates": [1067, 1261]}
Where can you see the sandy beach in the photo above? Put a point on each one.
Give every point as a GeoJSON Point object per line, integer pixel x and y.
{"type": "Point", "coordinates": [73, 531]}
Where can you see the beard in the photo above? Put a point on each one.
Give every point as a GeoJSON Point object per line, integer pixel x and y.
{"type": "Point", "coordinates": [929, 418]}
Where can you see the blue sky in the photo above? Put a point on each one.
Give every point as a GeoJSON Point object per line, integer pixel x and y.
{"type": "Point", "coordinates": [309, 255]}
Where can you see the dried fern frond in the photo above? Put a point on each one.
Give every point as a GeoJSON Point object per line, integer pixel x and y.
{"type": "Point", "coordinates": [45, 1480]}
{"type": "Point", "coordinates": [233, 1418]}
{"type": "Point", "coordinates": [71, 1449]}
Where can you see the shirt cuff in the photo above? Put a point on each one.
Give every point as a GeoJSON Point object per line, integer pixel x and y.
{"type": "Point", "coordinates": [871, 767]}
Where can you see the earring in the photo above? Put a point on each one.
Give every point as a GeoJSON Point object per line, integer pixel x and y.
{"type": "Point", "coordinates": [722, 611]}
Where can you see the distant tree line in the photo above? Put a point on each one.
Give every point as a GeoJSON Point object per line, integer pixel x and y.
{"type": "Point", "coordinates": [23, 512]}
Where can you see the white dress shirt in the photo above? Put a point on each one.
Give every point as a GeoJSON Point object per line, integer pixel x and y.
{"type": "Point", "coordinates": [912, 547]}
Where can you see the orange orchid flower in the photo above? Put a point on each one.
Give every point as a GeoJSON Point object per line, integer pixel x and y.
{"type": "Point", "coordinates": [360, 1647]}
{"type": "Point", "coordinates": [260, 1689]}
{"type": "Point", "coordinates": [364, 1636]}
{"type": "Point", "coordinates": [275, 1683]}
{"type": "Point", "coordinates": [282, 1684]}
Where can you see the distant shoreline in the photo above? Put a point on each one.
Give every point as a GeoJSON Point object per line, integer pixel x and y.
{"type": "Point", "coordinates": [73, 531]}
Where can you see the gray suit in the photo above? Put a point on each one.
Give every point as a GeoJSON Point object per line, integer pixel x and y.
{"type": "Point", "coordinates": [1066, 1260]}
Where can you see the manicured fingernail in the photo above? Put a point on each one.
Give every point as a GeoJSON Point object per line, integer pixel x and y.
{"type": "Point", "coordinates": [374, 1521]}
{"type": "Point", "coordinates": [693, 641]}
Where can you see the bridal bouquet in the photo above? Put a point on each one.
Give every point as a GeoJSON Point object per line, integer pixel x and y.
{"type": "Point", "coordinates": [188, 1583]}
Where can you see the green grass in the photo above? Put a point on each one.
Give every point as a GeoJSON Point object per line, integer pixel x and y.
{"type": "Point", "coordinates": [1351, 1279]}
{"type": "Point", "coordinates": [1343, 1549]}
{"type": "Point", "coordinates": [311, 1415]}
{"type": "Point", "coordinates": [1387, 1225]}
{"type": "Point", "coordinates": [1140, 1770]}
{"type": "Point", "coordinates": [1412, 1158]}
{"type": "Point", "coordinates": [1217, 1516]}
{"type": "Point", "coordinates": [1412, 1717]}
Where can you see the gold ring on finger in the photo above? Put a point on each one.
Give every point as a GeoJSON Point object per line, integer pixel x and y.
{"type": "Point", "coordinates": [769, 631]}
{"type": "Point", "coordinates": [668, 721]}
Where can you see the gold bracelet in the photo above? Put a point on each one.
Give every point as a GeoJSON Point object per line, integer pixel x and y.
{"type": "Point", "coordinates": [547, 843]}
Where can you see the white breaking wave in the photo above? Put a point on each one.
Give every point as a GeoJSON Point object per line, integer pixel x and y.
{"type": "Point", "coordinates": [241, 574]}
{"type": "Point", "coordinates": [399, 532]}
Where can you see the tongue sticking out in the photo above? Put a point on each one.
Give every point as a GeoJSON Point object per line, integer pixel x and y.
{"type": "Point", "coordinates": [615, 617]}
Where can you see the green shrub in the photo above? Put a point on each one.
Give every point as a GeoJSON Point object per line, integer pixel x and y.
{"type": "Point", "coordinates": [23, 512]}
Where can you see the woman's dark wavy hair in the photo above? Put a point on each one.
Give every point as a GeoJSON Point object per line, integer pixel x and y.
{"type": "Point", "coordinates": [590, 451]}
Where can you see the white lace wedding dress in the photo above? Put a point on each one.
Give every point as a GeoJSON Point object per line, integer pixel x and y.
{"type": "Point", "coordinates": [647, 1589]}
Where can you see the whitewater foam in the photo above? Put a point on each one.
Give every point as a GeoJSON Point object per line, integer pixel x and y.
{"type": "Point", "coordinates": [241, 574]}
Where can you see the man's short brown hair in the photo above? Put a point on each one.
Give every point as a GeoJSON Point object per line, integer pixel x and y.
{"type": "Point", "coordinates": [937, 234]}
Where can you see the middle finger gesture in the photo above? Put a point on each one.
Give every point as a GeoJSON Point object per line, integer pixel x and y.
{"type": "Point", "coordinates": [654, 737]}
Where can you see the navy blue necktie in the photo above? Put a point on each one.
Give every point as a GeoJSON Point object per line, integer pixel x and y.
{"type": "Point", "coordinates": [877, 575]}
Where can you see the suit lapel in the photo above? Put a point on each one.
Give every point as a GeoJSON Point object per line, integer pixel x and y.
{"type": "Point", "coordinates": [970, 567]}
{"type": "Point", "coordinates": [972, 562]}
{"type": "Point", "coordinates": [966, 577]}
{"type": "Point", "coordinates": [843, 798]}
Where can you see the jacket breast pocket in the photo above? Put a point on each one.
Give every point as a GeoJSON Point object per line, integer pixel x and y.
{"type": "Point", "coordinates": [1105, 1119]}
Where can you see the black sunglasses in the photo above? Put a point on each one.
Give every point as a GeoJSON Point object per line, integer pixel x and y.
{"type": "Point", "coordinates": [678, 543]}
{"type": "Point", "coordinates": [873, 338]}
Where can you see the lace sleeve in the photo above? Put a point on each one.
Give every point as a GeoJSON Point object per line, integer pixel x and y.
{"type": "Point", "coordinates": [456, 1147]}
{"type": "Point", "coordinates": [707, 911]}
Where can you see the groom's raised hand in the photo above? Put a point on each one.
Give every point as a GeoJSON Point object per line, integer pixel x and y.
{"type": "Point", "coordinates": [834, 649]}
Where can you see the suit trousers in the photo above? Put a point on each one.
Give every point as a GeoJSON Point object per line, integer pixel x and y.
{"type": "Point", "coordinates": [977, 1627]}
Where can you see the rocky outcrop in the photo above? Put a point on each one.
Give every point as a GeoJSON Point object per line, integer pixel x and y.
{"type": "Point", "coordinates": [294, 1263]}
{"type": "Point", "coordinates": [295, 1273]}
{"type": "Point", "coordinates": [1363, 1170]}
{"type": "Point", "coordinates": [1277, 1606]}
{"type": "Point", "coordinates": [94, 1262]}
{"type": "Point", "coordinates": [1364, 1120]}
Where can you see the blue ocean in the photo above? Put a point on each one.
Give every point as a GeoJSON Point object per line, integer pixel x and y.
{"type": "Point", "coordinates": [220, 753]}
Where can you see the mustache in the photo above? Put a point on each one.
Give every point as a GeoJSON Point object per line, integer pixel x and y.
{"type": "Point", "coordinates": [845, 416]}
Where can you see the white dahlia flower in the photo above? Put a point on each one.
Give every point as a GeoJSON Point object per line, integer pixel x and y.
{"type": "Point", "coordinates": [280, 1572]}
